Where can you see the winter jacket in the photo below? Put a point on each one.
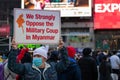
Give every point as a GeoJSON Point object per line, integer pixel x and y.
{"type": "Point", "coordinates": [105, 71]}
{"type": "Point", "coordinates": [88, 68]}
{"type": "Point", "coordinates": [72, 72]}
{"type": "Point", "coordinates": [30, 72]}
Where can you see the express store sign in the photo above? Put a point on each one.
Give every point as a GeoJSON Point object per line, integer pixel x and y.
{"type": "Point", "coordinates": [107, 14]}
{"type": "Point", "coordinates": [102, 8]}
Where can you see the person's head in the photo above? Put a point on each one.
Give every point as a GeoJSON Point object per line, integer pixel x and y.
{"type": "Point", "coordinates": [40, 56]}
{"type": "Point", "coordinates": [86, 51]}
{"type": "Point", "coordinates": [104, 58]}
{"type": "Point", "coordinates": [54, 55]}
{"type": "Point", "coordinates": [71, 51]}
{"type": "Point", "coordinates": [114, 52]}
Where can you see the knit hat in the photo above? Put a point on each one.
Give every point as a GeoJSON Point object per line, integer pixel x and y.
{"type": "Point", "coordinates": [43, 50]}
{"type": "Point", "coordinates": [71, 51]}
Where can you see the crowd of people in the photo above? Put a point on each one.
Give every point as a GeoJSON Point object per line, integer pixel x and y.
{"type": "Point", "coordinates": [60, 63]}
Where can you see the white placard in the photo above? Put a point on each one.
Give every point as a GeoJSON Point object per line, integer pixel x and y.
{"type": "Point", "coordinates": [37, 26]}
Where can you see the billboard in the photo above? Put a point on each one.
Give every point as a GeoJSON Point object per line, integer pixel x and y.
{"type": "Point", "coordinates": [36, 26]}
{"type": "Point", "coordinates": [68, 8]}
{"type": "Point", "coordinates": [107, 13]}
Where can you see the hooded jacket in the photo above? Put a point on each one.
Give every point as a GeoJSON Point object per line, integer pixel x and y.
{"type": "Point", "coordinates": [30, 72]}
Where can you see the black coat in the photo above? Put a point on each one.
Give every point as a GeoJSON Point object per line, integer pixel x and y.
{"type": "Point", "coordinates": [88, 68]}
{"type": "Point", "coordinates": [105, 71]}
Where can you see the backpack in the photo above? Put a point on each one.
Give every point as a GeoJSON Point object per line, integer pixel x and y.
{"type": "Point", "coordinates": [2, 72]}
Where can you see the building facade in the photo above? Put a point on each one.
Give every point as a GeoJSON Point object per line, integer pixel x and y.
{"type": "Point", "coordinates": [77, 31]}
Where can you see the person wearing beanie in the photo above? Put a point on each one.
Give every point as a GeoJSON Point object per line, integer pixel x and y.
{"type": "Point", "coordinates": [39, 69]}
{"type": "Point", "coordinates": [72, 72]}
{"type": "Point", "coordinates": [71, 51]}
{"type": "Point", "coordinates": [88, 65]}
{"type": "Point", "coordinates": [40, 57]}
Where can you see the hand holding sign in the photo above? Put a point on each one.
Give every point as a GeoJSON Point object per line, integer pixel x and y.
{"type": "Point", "coordinates": [14, 45]}
{"type": "Point", "coordinates": [61, 43]}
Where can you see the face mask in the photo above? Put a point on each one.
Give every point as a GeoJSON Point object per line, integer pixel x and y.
{"type": "Point", "coordinates": [37, 61]}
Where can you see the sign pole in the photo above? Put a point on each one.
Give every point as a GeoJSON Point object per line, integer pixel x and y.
{"type": "Point", "coordinates": [9, 43]}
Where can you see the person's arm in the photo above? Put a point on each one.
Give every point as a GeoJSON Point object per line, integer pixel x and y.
{"type": "Point", "coordinates": [64, 61]}
{"type": "Point", "coordinates": [17, 68]}
{"type": "Point", "coordinates": [62, 51]}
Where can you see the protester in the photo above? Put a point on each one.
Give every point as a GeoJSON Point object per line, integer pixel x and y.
{"type": "Point", "coordinates": [72, 71]}
{"type": "Point", "coordinates": [105, 69]}
{"type": "Point", "coordinates": [22, 57]}
{"type": "Point", "coordinates": [88, 66]}
{"type": "Point", "coordinates": [115, 64]}
{"type": "Point", "coordinates": [8, 74]}
{"type": "Point", "coordinates": [39, 69]}
{"type": "Point", "coordinates": [100, 55]}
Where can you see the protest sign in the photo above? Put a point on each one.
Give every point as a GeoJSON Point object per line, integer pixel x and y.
{"type": "Point", "coordinates": [37, 26]}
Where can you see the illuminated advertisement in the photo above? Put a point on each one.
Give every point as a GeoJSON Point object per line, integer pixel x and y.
{"type": "Point", "coordinates": [107, 13]}
{"type": "Point", "coordinates": [4, 30]}
{"type": "Point", "coordinates": [68, 8]}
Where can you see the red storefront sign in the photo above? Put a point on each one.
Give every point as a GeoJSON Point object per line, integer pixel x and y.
{"type": "Point", "coordinates": [107, 14]}
{"type": "Point", "coordinates": [4, 30]}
